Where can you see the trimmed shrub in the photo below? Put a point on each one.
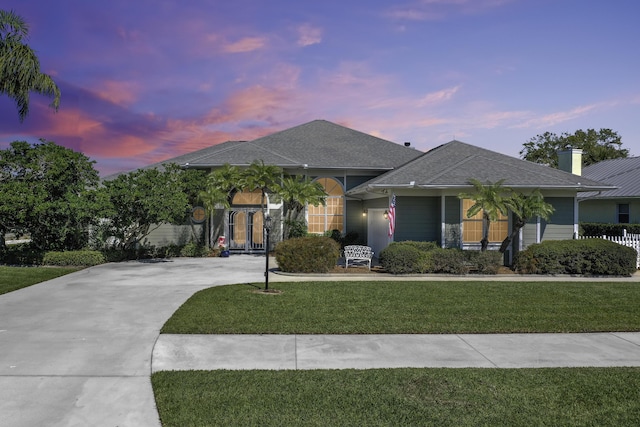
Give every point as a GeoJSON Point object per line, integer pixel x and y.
{"type": "Point", "coordinates": [74, 258]}
{"type": "Point", "coordinates": [596, 257]}
{"type": "Point", "coordinates": [484, 262]}
{"type": "Point", "coordinates": [604, 229]}
{"type": "Point", "coordinates": [307, 254]}
{"type": "Point", "coordinates": [448, 261]}
{"type": "Point", "coordinates": [406, 257]}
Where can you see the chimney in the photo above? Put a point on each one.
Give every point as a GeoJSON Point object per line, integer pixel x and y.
{"type": "Point", "coordinates": [570, 160]}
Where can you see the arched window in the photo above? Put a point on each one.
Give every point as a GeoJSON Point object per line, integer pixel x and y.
{"type": "Point", "coordinates": [247, 198]}
{"type": "Point", "coordinates": [329, 217]}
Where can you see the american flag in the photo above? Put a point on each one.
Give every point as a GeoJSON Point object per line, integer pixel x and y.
{"type": "Point", "coordinates": [392, 215]}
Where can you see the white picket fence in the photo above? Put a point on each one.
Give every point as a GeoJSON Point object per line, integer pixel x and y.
{"type": "Point", "coordinates": [630, 240]}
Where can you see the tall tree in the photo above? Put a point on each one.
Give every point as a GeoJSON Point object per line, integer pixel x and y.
{"type": "Point", "coordinates": [219, 187]}
{"type": "Point", "coordinates": [19, 66]}
{"type": "Point", "coordinates": [524, 208]}
{"type": "Point", "coordinates": [596, 146]}
{"type": "Point", "coordinates": [296, 193]}
{"type": "Point", "coordinates": [141, 201]}
{"type": "Point", "coordinates": [49, 192]}
{"type": "Point", "coordinates": [265, 178]}
{"type": "Point", "coordinates": [490, 199]}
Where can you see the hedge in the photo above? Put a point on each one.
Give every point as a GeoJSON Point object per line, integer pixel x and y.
{"type": "Point", "coordinates": [596, 257]}
{"type": "Point", "coordinates": [602, 229]}
{"type": "Point", "coordinates": [74, 258]}
{"type": "Point", "coordinates": [307, 254]}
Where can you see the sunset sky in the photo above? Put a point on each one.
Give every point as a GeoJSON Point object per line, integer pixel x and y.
{"type": "Point", "coordinates": [146, 80]}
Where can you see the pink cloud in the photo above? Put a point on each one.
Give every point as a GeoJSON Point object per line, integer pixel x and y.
{"type": "Point", "coordinates": [309, 35]}
{"type": "Point", "coordinates": [117, 92]}
{"type": "Point", "coordinates": [247, 44]}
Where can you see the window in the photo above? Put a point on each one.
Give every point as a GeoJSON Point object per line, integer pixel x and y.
{"type": "Point", "coordinates": [329, 217]}
{"type": "Point", "coordinates": [473, 227]}
{"type": "Point", "coordinates": [623, 213]}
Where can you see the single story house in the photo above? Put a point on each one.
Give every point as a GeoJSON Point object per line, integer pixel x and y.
{"type": "Point", "coordinates": [619, 205]}
{"type": "Point", "coordinates": [361, 173]}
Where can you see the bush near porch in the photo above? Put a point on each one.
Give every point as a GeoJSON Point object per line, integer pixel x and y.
{"type": "Point", "coordinates": [411, 257]}
{"type": "Point", "coordinates": [307, 254]}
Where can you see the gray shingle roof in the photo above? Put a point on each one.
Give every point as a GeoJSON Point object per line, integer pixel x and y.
{"type": "Point", "coordinates": [622, 173]}
{"type": "Point", "coordinates": [318, 144]}
{"type": "Point", "coordinates": [452, 165]}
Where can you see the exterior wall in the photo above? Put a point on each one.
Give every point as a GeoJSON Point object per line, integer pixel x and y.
{"type": "Point", "coordinates": [453, 230]}
{"type": "Point", "coordinates": [168, 234]}
{"type": "Point", "coordinates": [605, 211]}
{"type": "Point", "coordinates": [560, 225]}
{"type": "Point", "coordinates": [418, 218]}
{"type": "Point", "coordinates": [529, 233]}
{"type": "Point", "coordinates": [355, 221]}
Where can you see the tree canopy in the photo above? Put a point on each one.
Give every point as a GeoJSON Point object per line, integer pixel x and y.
{"type": "Point", "coordinates": [48, 191]}
{"type": "Point", "coordinates": [596, 146]}
{"type": "Point", "coordinates": [19, 65]}
{"type": "Point", "coordinates": [491, 200]}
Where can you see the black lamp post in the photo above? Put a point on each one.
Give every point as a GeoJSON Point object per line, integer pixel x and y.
{"type": "Point", "coordinates": [267, 231]}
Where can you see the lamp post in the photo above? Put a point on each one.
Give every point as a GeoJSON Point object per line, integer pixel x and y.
{"type": "Point", "coordinates": [267, 231]}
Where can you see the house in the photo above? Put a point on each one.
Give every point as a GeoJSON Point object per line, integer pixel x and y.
{"type": "Point", "coordinates": [619, 205]}
{"type": "Point", "coordinates": [361, 173]}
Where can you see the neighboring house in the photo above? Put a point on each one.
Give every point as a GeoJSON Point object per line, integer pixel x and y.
{"type": "Point", "coordinates": [620, 205]}
{"type": "Point", "coordinates": [361, 173]}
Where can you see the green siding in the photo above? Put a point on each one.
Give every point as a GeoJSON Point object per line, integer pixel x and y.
{"type": "Point", "coordinates": [418, 218]}
{"type": "Point", "coordinates": [605, 211]}
{"type": "Point", "coordinates": [452, 222]}
{"type": "Point", "coordinates": [560, 225]}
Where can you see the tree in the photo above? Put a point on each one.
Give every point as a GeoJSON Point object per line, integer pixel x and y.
{"type": "Point", "coordinates": [489, 199]}
{"type": "Point", "coordinates": [596, 146]}
{"type": "Point", "coordinates": [525, 207]}
{"type": "Point", "coordinates": [19, 66]}
{"type": "Point", "coordinates": [141, 201]}
{"type": "Point", "coordinates": [296, 193]}
{"type": "Point", "coordinates": [266, 178]}
{"type": "Point", "coordinates": [217, 193]}
{"type": "Point", "coordinates": [48, 191]}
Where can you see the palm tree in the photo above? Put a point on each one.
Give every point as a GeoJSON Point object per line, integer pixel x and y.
{"type": "Point", "coordinates": [296, 192]}
{"type": "Point", "coordinates": [266, 178]}
{"type": "Point", "coordinates": [490, 199]}
{"type": "Point", "coordinates": [221, 183]}
{"type": "Point", "coordinates": [19, 66]}
{"type": "Point", "coordinates": [524, 208]}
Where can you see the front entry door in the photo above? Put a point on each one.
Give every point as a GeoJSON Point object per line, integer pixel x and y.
{"type": "Point", "coordinates": [378, 230]}
{"type": "Point", "coordinates": [246, 233]}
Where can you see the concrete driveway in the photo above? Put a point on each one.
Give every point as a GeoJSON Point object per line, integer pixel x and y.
{"type": "Point", "coordinates": [76, 350]}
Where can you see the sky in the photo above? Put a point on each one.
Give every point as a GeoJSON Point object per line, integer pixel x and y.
{"type": "Point", "coordinates": [147, 80]}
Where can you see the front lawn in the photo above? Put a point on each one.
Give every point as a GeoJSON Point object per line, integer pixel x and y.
{"type": "Point", "coordinates": [411, 307]}
{"type": "Point", "coordinates": [400, 397]}
{"type": "Point", "coordinates": [13, 278]}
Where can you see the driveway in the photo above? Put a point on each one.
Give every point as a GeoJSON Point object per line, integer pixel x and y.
{"type": "Point", "coordinates": [76, 350]}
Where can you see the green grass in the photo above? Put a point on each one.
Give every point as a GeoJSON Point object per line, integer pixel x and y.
{"type": "Point", "coordinates": [411, 307]}
{"type": "Point", "coordinates": [13, 278]}
{"type": "Point", "coordinates": [400, 397]}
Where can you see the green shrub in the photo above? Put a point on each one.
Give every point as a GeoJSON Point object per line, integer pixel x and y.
{"type": "Point", "coordinates": [21, 254]}
{"type": "Point", "coordinates": [590, 257]}
{"type": "Point", "coordinates": [484, 262]}
{"type": "Point", "coordinates": [296, 228]}
{"type": "Point", "coordinates": [404, 258]}
{"type": "Point", "coordinates": [604, 229]}
{"type": "Point", "coordinates": [74, 258]}
{"type": "Point", "coordinates": [192, 249]}
{"type": "Point", "coordinates": [423, 246]}
{"type": "Point", "coordinates": [307, 254]}
{"type": "Point", "coordinates": [448, 261]}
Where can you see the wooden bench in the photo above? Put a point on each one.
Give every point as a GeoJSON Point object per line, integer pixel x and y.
{"type": "Point", "coordinates": [357, 254]}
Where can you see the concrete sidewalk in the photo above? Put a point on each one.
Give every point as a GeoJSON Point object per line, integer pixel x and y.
{"type": "Point", "coordinates": [211, 352]}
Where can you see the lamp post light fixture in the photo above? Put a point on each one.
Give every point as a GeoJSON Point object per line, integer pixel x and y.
{"type": "Point", "coordinates": [386, 214]}
{"type": "Point", "coordinates": [267, 231]}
